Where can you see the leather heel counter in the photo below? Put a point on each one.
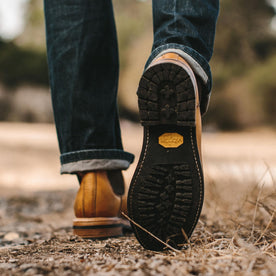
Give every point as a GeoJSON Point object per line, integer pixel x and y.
{"type": "Point", "coordinates": [108, 203]}
{"type": "Point", "coordinates": [85, 202]}
{"type": "Point", "coordinates": [96, 198]}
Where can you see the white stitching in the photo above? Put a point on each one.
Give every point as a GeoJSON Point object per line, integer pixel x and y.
{"type": "Point", "coordinates": [140, 168]}
{"type": "Point", "coordinates": [200, 180]}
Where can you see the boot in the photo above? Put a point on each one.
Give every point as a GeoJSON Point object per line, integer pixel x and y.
{"type": "Point", "coordinates": [166, 192]}
{"type": "Point", "coordinates": [98, 205]}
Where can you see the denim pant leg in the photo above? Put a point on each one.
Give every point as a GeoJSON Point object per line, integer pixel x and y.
{"type": "Point", "coordinates": [83, 68]}
{"type": "Point", "coordinates": [187, 27]}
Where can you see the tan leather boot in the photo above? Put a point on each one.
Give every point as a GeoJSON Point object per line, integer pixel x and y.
{"type": "Point", "coordinates": [98, 205]}
{"type": "Point", "coordinates": [166, 192]}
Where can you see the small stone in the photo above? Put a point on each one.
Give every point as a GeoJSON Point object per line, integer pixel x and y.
{"type": "Point", "coordinates": [11, 236]}
{"type": "Point", "coordinates": [12, 260]}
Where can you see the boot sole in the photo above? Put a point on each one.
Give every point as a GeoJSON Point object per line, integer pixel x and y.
{"type": "Point", "coordinates": [98, 228]}
{"type": "Point", "coordinates": [166, 192]}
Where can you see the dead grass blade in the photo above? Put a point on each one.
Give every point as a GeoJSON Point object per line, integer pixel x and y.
{"type": "Point", "coordinates": [185, 236]}
{"type": "Point", "coordinates": [152, 235]}
{"type": "Point", "coordinates": [256, 207]}
{"type": "Point", "coordinates": [269, 223]}
{"type": "Point", "coordinates": [271, 175]}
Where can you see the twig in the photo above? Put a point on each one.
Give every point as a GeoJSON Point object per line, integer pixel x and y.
{"type": "Point", "coordinates": [145, 230]}
{"type": "Point", "coordinates": [261, 204]}
{"type": "Point", "coordinates": [271, 175]}
{"type": "Point", "coordinates": [271, 219]}
{"type": "Point", "coordinates": [185, 236]}
{"type": "Point", "coordinates": [256, 207]}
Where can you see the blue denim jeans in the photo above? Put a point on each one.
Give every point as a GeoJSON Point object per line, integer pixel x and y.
{"type": "Point", "coordinates": [83, 69]}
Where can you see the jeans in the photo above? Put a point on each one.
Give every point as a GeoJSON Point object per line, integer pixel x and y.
{"type": "Point", "coordinates": [83, 70]}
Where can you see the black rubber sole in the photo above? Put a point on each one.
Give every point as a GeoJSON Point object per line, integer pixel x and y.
{"type": "Point", "coordinates": [166, 192]}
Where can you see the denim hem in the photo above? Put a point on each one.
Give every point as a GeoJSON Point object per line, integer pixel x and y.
{"type": "Point", "coordinates": [108, 154]}
{"type": "Point", "coordinates": [94, 164]}
{"type": "Point", "coordinates": [199, 64]}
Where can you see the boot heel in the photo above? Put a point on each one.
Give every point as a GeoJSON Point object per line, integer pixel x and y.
{"type": "Point", "coordinates": [97, 228]}
{"type": "Point", "coordinates": [166, 96]}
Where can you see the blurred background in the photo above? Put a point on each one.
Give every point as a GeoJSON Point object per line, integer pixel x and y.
{"type": "Point", "coordinates": [243, 65]}
{"type": "Point", "coordinates": [243, 98]}
{"type": "Point", "coordinates": [237, 225]}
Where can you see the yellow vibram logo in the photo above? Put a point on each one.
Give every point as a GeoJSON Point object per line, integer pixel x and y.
{"type": "Point", "coordinates": [170, 140]}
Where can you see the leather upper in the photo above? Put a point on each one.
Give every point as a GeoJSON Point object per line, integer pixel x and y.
{"type": "Point", "coordinates": [96, 197]}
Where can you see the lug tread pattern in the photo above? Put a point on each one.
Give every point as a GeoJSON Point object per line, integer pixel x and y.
{"type": "Point", "coordinates": [166, 192]}
{"type": "Point", "coordinates": [165, 96]}
{"type": "Point", "coordinates": [164, 200]}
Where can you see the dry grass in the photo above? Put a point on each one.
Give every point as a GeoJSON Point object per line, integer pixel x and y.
{"type": "Point", "coordinates": [239, 240]}
{"type": "Point", "coordinates": [235, 236]}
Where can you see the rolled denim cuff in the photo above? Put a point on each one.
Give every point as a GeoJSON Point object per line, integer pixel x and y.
{"type": "Point", "coordinates": [197, 62]}
{"type": "Point", "coordinates": [97, 159]}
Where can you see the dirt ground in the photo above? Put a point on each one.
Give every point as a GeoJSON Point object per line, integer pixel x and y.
{"type": "Point", "coordinates": [236, 234]}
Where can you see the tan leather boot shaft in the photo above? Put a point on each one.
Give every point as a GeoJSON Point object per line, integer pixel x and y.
{"type": "Point", "coordinates": [96, 198]}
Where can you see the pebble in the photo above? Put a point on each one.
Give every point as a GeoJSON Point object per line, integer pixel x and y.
{"type": "Point", "coordinates": [11, 236]}
{"type": "Point", "coordinates": [12, 260]}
